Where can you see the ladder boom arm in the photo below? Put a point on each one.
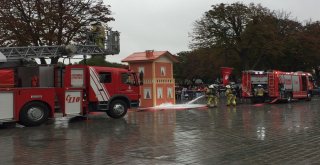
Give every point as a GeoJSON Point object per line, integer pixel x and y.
{"type": "Point", "coordinates": [17, 53]}
{"type": "Point", "coordinates": [111, 46]}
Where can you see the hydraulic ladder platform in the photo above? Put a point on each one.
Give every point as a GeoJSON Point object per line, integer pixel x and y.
{"type": "Point", "coordinates": [112, 46]}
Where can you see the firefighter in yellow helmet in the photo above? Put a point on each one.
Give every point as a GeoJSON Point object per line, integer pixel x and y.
{"type": "Point", "coordinates": [259, 93]}
{"type": "Point", "coordinates": [212, 95]}
{"type": "Point", "coordinates": [231, 96]}
{"type": "Point", "coordinates": [99, 33]}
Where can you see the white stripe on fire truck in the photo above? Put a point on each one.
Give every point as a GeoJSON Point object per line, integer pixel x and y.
{"type": "Point", "coordinates": [105, 92]}
{"type": "Point", "coordinates": [96, 85]}
{"type": "Point", "coordinates": [95, 89]}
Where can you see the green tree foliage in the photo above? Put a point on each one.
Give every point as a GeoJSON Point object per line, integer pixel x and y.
{"type": "Point", "coordinates": [198, 64]}
{"type": "Point", "coordinates": [223, 27]}
{"type": "Point", "coordinates": [100, 61]}
{"type": "Point", "coordinates": [264, 41]}
{"type": "Point", "coordinates": [249, 37]}
{"type": "Point", "coordinates": [310, 44]}
{"type": "Point", "coordinates": [44, 22]}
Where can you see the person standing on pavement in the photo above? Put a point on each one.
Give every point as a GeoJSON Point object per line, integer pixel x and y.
{"type": "Point", "coordinates": [260, 93]}
{"type": "Point", "coordinates": [209, 95]}
{"type": "Point", "coordinates": [183, 93]}
{"type": "Point", "coordinates": [212, 96]}
{"type": "Point", "coordinates": [231, 96]}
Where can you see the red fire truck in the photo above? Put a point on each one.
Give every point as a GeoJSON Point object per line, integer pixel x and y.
{"type": "Point", "coordinates": [290, 85]}
{"type": "Point", "coordinates": [277, 85]}
{"type": "Point", "coordinates": [31, 95]}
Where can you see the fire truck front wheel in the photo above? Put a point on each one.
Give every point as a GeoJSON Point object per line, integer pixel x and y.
{"type": "Point", "coordinates": [117, 109]}
{"type": "Point", "coordinates": [34, 114]}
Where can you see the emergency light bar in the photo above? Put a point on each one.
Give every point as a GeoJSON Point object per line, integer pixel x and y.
{"type": "Point", "coordinates": [258, 72]}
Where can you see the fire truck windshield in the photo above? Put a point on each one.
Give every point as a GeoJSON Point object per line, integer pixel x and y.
{"type": "Point", "coordinates": [129, 78]}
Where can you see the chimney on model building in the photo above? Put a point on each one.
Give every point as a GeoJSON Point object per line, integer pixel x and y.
{"type": "Point", "coordinates": [149, 53]}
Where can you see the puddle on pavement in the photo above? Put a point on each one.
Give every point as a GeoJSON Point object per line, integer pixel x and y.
{"type": "Point", "coordinates": [193, 104]}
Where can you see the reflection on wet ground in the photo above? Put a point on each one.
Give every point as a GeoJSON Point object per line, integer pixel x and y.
{"type": "Point", "coordinates": [246, 134]}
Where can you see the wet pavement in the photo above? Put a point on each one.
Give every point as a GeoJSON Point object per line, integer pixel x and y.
{"type": "Point", "coordinates": [246, 134]}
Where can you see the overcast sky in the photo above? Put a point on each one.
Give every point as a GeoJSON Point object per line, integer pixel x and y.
{"type": "Point", "coordinates": [165, 24]}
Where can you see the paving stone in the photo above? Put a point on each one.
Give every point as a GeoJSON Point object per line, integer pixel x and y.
{"type": "Point", "coordinates": [246, 134]}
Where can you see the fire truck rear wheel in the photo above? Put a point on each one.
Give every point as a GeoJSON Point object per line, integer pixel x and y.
{"type": "Point", "coordinates": [34, 114]}
{"type": "Point", "coordinates": [118, 109]}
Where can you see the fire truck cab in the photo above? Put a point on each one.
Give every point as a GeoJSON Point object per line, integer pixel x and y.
{"type": "Point", "coordinates": [290, 85]}
{"type": "Point", "coordinates": [107, 89]}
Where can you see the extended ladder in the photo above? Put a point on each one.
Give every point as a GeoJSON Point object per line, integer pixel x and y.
{"type": "Point", "coordinates": [112, 46]}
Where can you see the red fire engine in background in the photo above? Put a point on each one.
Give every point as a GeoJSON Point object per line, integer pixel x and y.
{"type": "Point", "coordinates": [31, 95]}
{"type": "Point", "coordinates": [277, 85]}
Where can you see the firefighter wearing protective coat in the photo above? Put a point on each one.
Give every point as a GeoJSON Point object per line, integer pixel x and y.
{"type": "Point", "coordinates": [259, 93]}
{"type": "Point", "coordinates": [212, 95]}
{"type": "Point", "coordinates": [99, 34]}
{"type": "Point", "coordinates": [231, 96]}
